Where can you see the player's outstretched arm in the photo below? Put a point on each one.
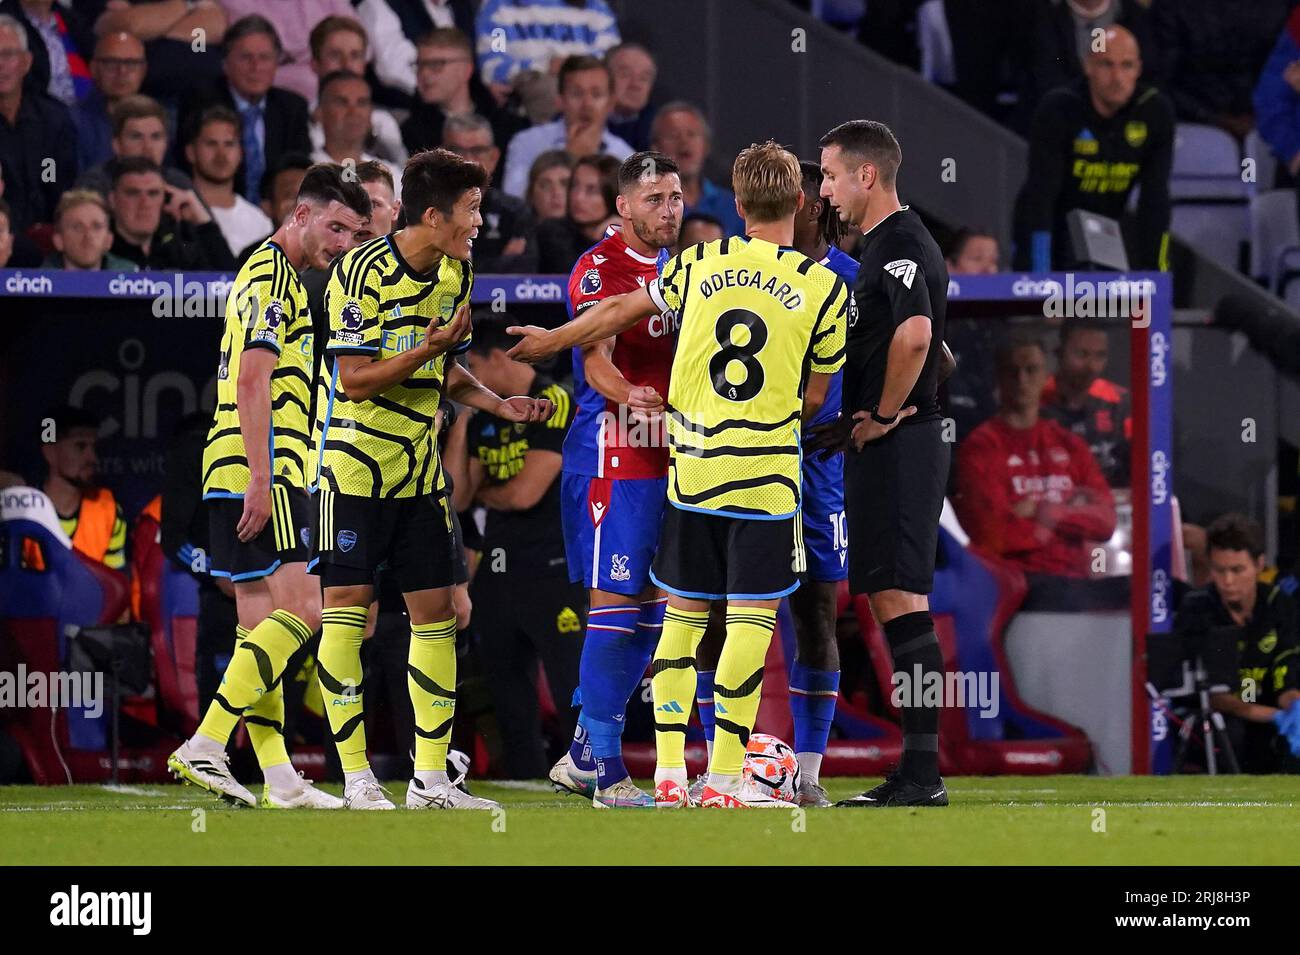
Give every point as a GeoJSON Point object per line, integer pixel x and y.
{"type": "Point", "coordinates": [603, 375]}
{"type": "Point", "coordinates": [254, 400]}
{"type": "Point", "coordinates": [464, 388]}
{"type": "Point", "coordinates": [364, 377]}
{"type": "Point", "coordinates": [611, 316]}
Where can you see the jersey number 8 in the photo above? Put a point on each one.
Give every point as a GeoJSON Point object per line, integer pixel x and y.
{"type": "Point", "coordinates": [746, 354]}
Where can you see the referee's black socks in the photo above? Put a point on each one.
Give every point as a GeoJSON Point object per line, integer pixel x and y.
{"type": "Point", "coordinates": [913, 644]}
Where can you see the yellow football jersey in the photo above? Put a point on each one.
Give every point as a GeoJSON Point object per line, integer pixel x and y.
{"type": "Point", "coordinates": [755, 319]}
{"type": "Point", "coordinates": [379, 306]}
{"type": "Point", "coordinates": [266, 308]}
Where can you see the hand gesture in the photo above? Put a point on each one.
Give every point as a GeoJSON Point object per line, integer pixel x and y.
{"type": "Point", "coordinates": [443, 338]}
{"type": "Point", "coordinates": [828, 438]}
{"type": "Point", "coordinates": [869, 429]}
{"type": "Point", "coordinates": [533, 345]}
{"type": "Point", "coordinates": [644, 401]}
{"type": "Point", "coordinates": [521, 409]}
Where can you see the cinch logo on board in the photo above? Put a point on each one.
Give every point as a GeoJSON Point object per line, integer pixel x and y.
{"type": "Point", "coordinates": [133, 408]}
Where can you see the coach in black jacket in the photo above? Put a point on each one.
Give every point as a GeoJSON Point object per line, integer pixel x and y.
{"type": "Point", "coordinates": [274, 120]}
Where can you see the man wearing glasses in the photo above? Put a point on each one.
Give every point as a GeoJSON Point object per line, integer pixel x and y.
{"type": "Point", "coordinates": [118, 69]}
{"type": "Point", "coordinates": [506, 240]}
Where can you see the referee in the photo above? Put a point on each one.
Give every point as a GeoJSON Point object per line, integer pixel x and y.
{"type": "Point", "coordinates": [896, 461]}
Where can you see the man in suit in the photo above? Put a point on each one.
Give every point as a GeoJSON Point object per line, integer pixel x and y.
{"type": "Point", "coordinates": [274, 120]}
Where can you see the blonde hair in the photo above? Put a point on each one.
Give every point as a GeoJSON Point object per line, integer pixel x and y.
{"type": "Point", "coordinates": [78, 197]}
{"type": "Point", "coordinates": [768, 182]}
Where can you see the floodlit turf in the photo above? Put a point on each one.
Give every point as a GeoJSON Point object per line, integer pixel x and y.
{"type": "Point", "coordinates": [1000, 820]}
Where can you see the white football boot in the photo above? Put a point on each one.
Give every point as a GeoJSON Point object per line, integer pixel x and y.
{"type": "Point", "coordinates": [210, 771]}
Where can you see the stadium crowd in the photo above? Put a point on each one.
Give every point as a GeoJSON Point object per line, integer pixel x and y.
{"type": "Point", "coordinates": [126, 143]}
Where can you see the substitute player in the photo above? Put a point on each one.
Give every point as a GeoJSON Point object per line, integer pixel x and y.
{"type": "Point", "coordinates": [397, 306]}
{"type": "Point", "coordinates": [614, 484]}
{"type": "Point", "coordinates": [896, 467]}
{"type": "Point", "coordinates": [255, 480]}
{"type": "Point", "coordinates": [757, 320]}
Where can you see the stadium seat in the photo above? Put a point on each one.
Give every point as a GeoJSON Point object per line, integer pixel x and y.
{"type": "Point", "coordinates": [1208, 193]}
{"type": "Point", "coordinates": [936, 44]}
{"type": "Point", "coordinates": [1265, 162]}
{"type": "Point", "coordinates": [1274, 228]}
{"type": "Point", "coordinates": [973, 600]}
{"type": "Point", "coordinates": [46, 592]}
{"type": "Point", "coordinates": [1288, 277]}
{"type": "Point", "coordinates": [1216, 229]}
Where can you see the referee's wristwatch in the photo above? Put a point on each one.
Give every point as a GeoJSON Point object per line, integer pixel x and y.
{"type": "Point", "coordinates": [875, 416]}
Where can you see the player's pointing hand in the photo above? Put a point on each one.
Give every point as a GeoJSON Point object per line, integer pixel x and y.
{"type": "Point", "coordinates": [531, 347]}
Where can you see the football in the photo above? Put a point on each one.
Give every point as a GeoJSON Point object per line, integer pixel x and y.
{"type": "Point", "coordinates": [772, 765]}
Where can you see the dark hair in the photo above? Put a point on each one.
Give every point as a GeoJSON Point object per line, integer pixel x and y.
{"type": "Point", "coordinates": [957, 244]}
{"type": "Point", "coordinates": [327, 182]}
{"type": "Point", "coordinates": [647, 162]}
{"type": "Point", "coordinates": [580, 64]}
{"type": "Point", "coordinates": [1234, 531]}
{"type": "Point", "coordinates": [490, 332]}
{"type": "Point", "coordinates": [68, 419]}
{"type": "Point", "coordinates": [251, 25]}
{"type": "Point", "coordinates": [217, 113]}
{"type": "Point", "coordinates": [705, 218]}
{"type": "Point", "coordinates": [827, 222]}
{"type": "Point", "coordinates": [286, 162]}
{"type": "Point", "coordinates": [330, 26]}
{"type": "Point", "coordinates": [436, 179]}
{"type": "Point", "coordinates": [607, 168]}
{"type": "Point", "coordinates": [372, 170]}
{"type": "Point", "coordinates": [447, 36]}
{"type": "Point", "coordinates": [1012, 342]}
{"type": "Point", "coordinates": [544, 163]}
{"type": "Point", "coordinates": [136, 106]}
{"type": "Point", "coordinates": [338, 76]}
{"type": "Point", "coordinates": [1076, 325]}
{"type": "Point", "coordinates": [131, 166]}
{"type": "Point", "coordinates": [868, 141]}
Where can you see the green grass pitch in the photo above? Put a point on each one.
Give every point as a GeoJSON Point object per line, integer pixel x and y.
{"type": "Point", "coordinates": [992, 820]}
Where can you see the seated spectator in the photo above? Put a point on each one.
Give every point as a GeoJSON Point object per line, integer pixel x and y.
{"type": "Point", "coordinates": [294, 21]}
{"type": "Point", "coordinates": [273, 120]}
{"type": "Point", "coordinates": [345, 113]}
{"type": "Point", "coordinates": [592, 204]}
{"type": "Point", "coordinates": [507, 240]}
{"type": "Point", "coordinates": [377, 179]}
{"type": "Point", "coordinates": [67, 41]}
{"type": "Point", "coordinates": [279, 193]}
{"type": "Point", "coordinates": [118, 70]}
{"type": "Point", "coordinates": [340, 43]}
{"type": "Point", "coordinates": [973, 252]}
{"type": "Point", "coordinates": [168, 29]}
{"type": "Point", "coordinates": [446, 86]}
{"type": "Point", "coordinates": [1061, 38]}
{"type": "Point", "coordinates": [539, 34]}
{"type": "Point", "coordinates": [1090, 145]}
{"type": "Point", "coordinates": [6, 235]}
{"type": "Point", "coordinates": [396, 25]}
{"type": "Point", "coordinates": [88, 513]}
{"type": "Point", "coordinates": [83, 235]}
{"type": "Point", "coordinates": [699, 227]}
{"type": "Point", "coordinates": [214, 154]}
{"type": "Point", "coordinates": [1277, 98]}
{"type": "Point", "coordinates": [584, 106]}
{"type": "Point", "coordinates": [682, 133]}
{"type": "Point", "coordinates": [1029, 491]}
{"type": "Point", "coordinates": [548, 184]}
{"type": "Point", "coordinates": [1211, 53]}
{"type": "Point", "coordinates": [139, 129]}
{"type": "Point", "coordinates": [1088, 405]}
{"type": "Point", "coordinates": [634, 72]}
{"type": "Point", "coordinates": [35, 131]}
{"type": "Point", "coordinates": [160, 228]}
{"type": "Point", "coordinates": [1263, 722]}
{"type": "Point", "coordinates": [538, 95]}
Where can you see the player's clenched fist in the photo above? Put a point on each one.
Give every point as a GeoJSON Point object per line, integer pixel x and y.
{"type": "Point", "coordinates": [522, 409]}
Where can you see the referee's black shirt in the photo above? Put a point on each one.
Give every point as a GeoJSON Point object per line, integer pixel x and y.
{"type": "Point", "coordinates": [901, 273]}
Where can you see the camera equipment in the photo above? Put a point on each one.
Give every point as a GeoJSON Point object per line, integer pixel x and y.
{"type": "Point", "coordinates": [122, 652]}
{"type": "Point", "coordinates": [1193, 666]}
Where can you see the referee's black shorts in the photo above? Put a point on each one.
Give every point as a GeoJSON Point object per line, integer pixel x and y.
{"type": "Point", "coordinates": [284, 538]}
{"type": "Point", "coordinates": [411, 535]}
{"type": "Point", "coordinates": [893, 496]}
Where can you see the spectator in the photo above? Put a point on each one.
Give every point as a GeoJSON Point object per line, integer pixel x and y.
{"type": "Point", "coordinates": [139, 129]}
{"type": "Point", "coordinates": [214, 154]}
{"type": "Point", "coordinates": [447, 86]}
{"type": "Point", "coordinates": [345, 113]}
{"type": "Point", "coordinates": [35, 132]}
{"type": "Point", "coordinates": [6, 235]}
{"type": "Point", "coordinates": [1029, 491]}
{"type": "Point", "coordinates": [1089, 146]}
{"type": "Point", "coordinates": [538, 34]}
{"type": "Point", "coordinates": [1083, 402]}
{"type": "Point", "coordinates": [1277, 98]}
{"type": "Point", "coordinates": [88, 513]}
{"type": "Point", "coordinates": [83, 235]}
{"type": "Point", "coordinates": [525, 608]}
{"type": "Point", "coordinates": [593, 193]}
{"type": "Point", "coordinates": [279, 193]}
{"type": "Point", "coordinates": [171, 31]}
{"type": "Point", "coordinates": [340, 43]}
{"type": "Point", "coordinates": [699, 227]}
{"type": "Point", "coordinates": [66, 40]}
{"type": "Point", "coordinates": [681, 132]}
{"type": "Point", "coordinates": [581, 131]}
{"type": "Point", "coordinates": [548, 184]}
{"type": "Point", "coordinates": [634, 72]}
{"type": "Point", "coordinates": [117, 68]}
{"type": "Point", "coordinates": [1212, 51]}
{"type": "Point", "coordinates": [1261, 710]}
{"type": "Point", "coordinates": [396, 25]}
{"type": "Point", "coordinates": [507, 240]}
{"type": "Point", "coordinates": [273, 121]}
{"type": "Point", "coordinates": [973, 252]}
{"type": "Point", "coordinates": [160, 228]}
{"type": "Point", "coordinates": [294, 21]}
{"type": "Point", "coordinates": [377, 179]}
{"type": "Point", "coordinates": [1062, 35]}
{"type": "Point", "coordinates": [538, 95]}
